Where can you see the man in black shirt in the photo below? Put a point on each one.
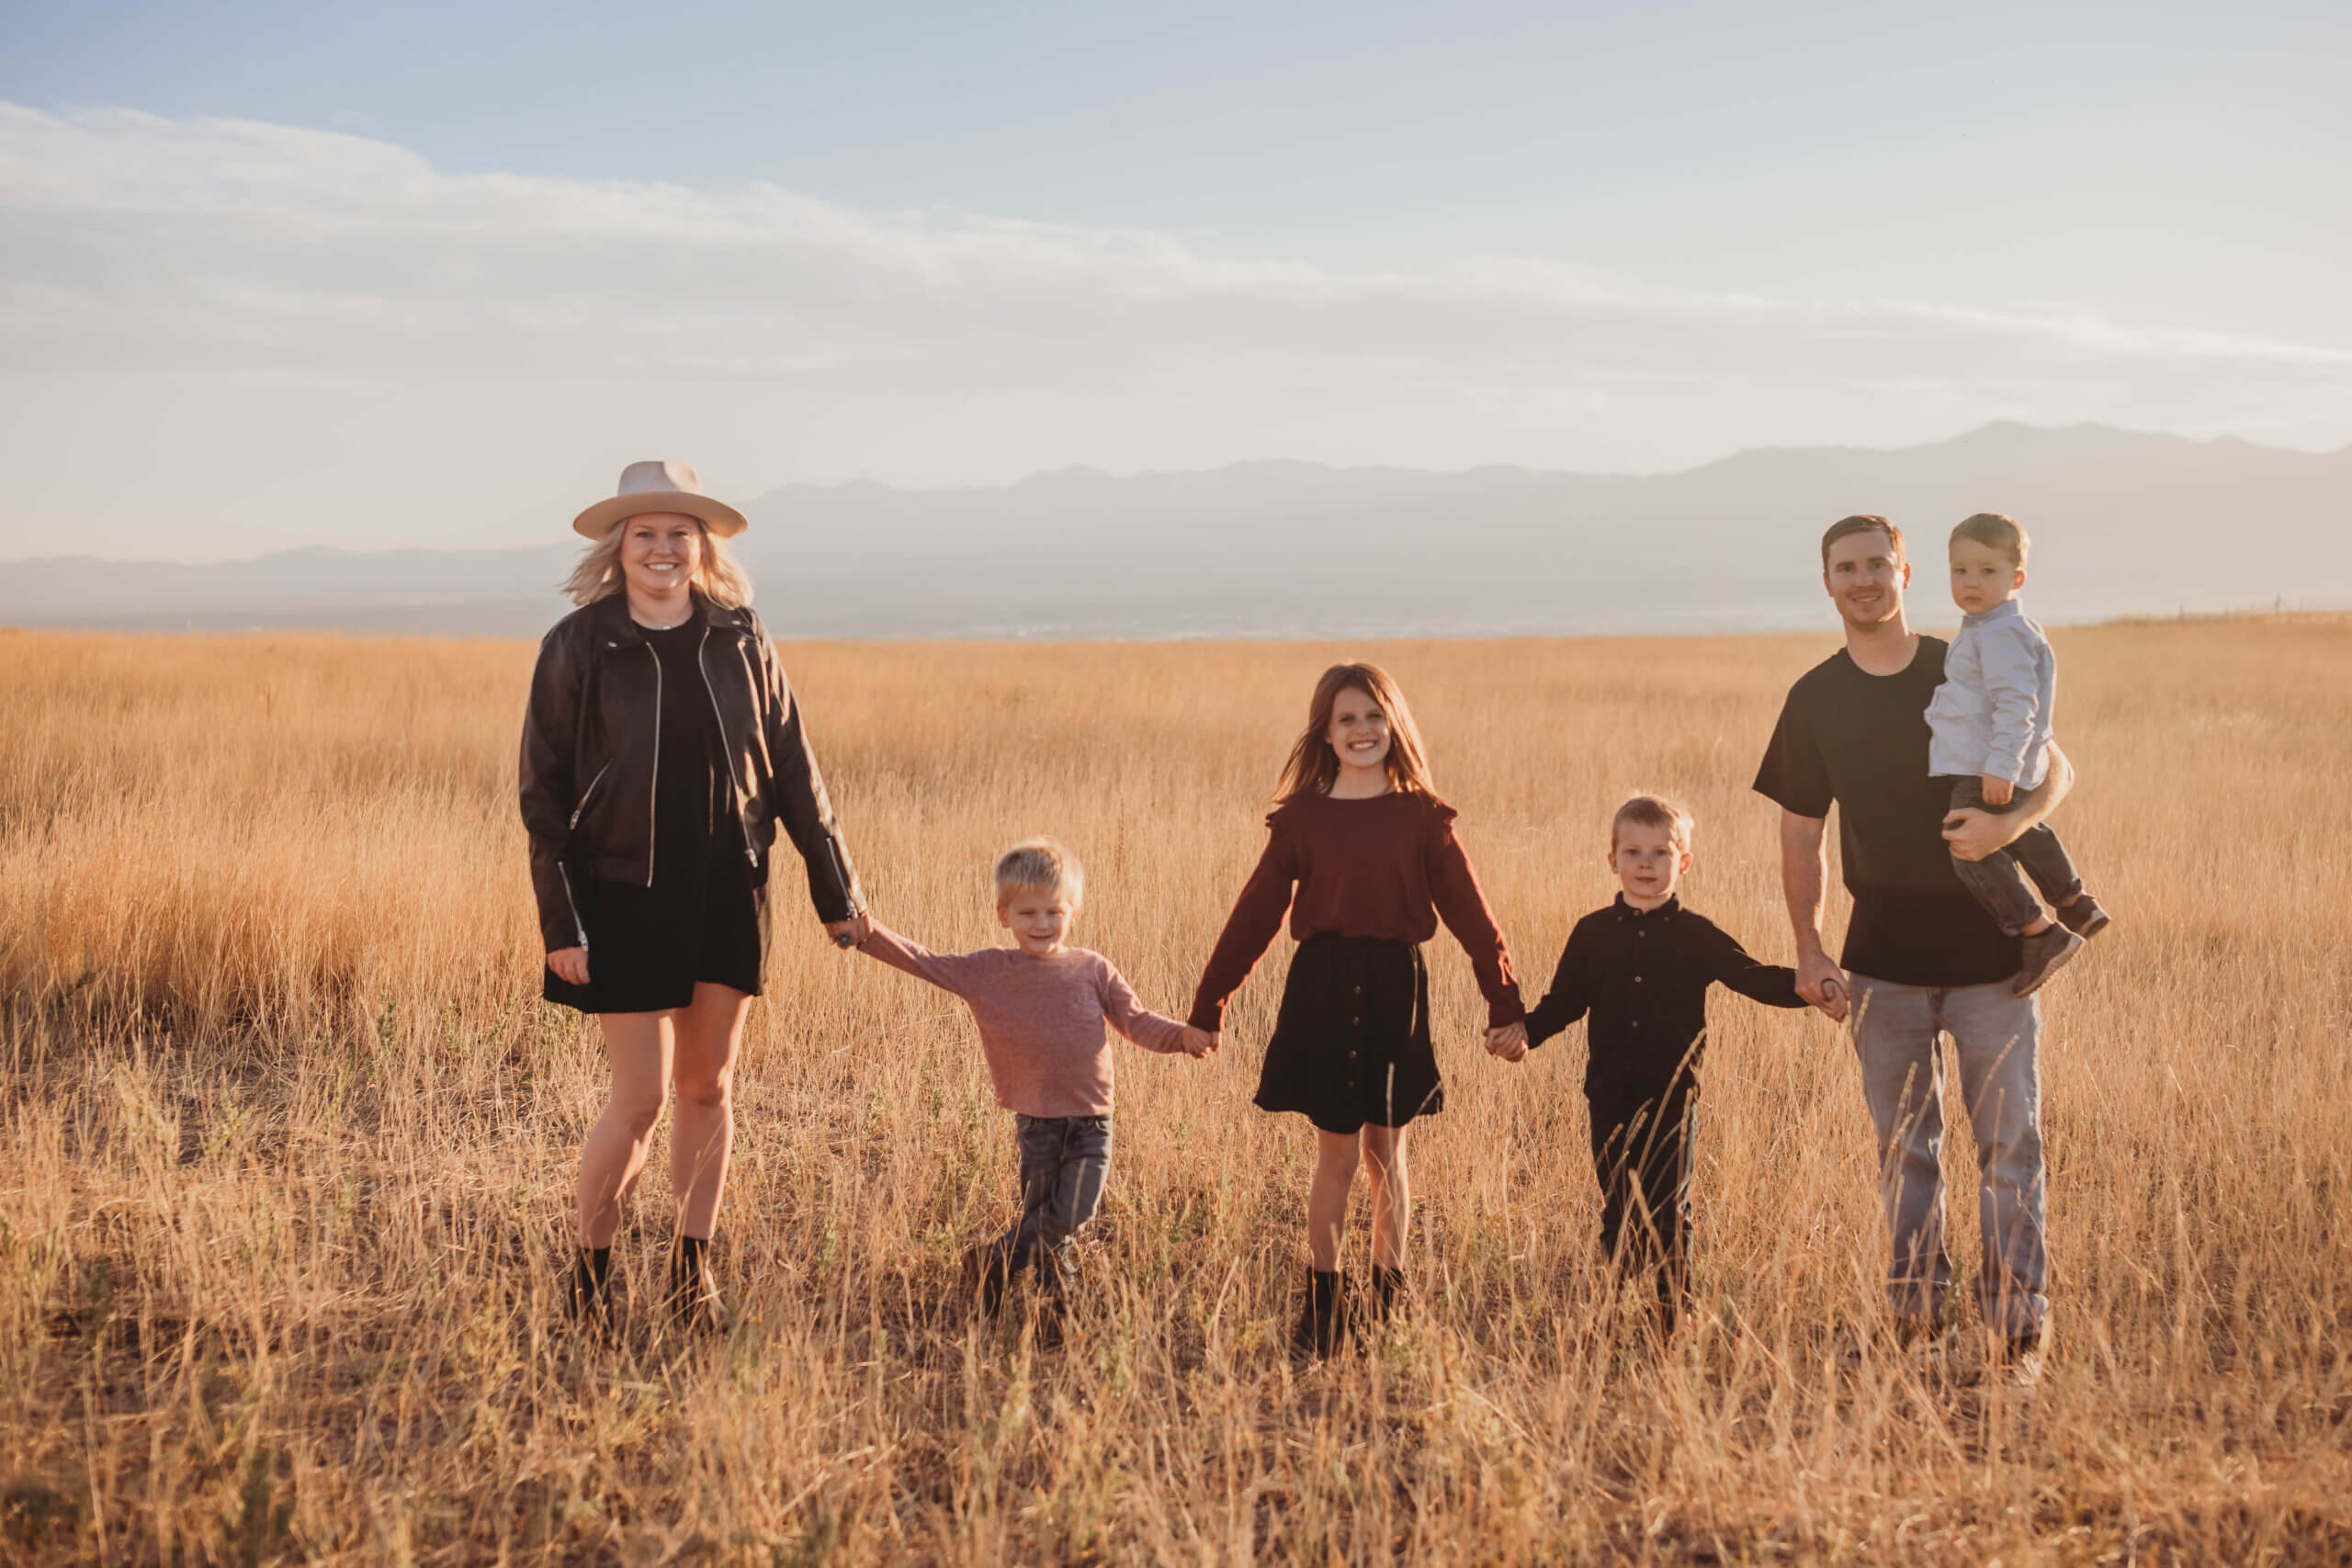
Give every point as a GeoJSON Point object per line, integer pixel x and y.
{"type": "Point", "coordinates": [1641, 967]}
{"type": "Point", "coordinates": [1921, 958]}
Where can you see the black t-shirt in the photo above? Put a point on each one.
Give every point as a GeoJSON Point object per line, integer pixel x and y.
{"type": "Point", "coordinates": [1861, 741]}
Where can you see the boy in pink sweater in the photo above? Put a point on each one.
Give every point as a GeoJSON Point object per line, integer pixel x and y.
{"type": "Point", "coordinates": [1041, 1005]}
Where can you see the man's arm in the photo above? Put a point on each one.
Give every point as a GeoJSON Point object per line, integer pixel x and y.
{"type": "Point", "coordinates": [1819, 980]}
{"type": "Point", "coordinates": [1974, 834]}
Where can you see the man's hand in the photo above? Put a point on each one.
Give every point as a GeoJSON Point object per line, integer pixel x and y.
{"type": "Point", "coordinates": [1996, 789]}
{"type": "Point", "coordinates": [850, 932]}
{"type": "Point", "coordinates": [1199, 1042]}
{"type": "Point", "coordinates": [571, 964]}
{"type": "Point", "coordinates": [1974, 834]}
{"type": "Point", "coordinates": [1507, 1041]}
{"type": "Point", "coordinates": [1823, 984]}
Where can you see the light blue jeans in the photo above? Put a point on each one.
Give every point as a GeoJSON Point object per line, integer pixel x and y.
{"type": "Point", "coordinates": [1997, 1036]}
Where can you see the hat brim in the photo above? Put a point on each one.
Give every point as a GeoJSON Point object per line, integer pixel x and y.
{"type": "Point", "coordinates": [606, 515]}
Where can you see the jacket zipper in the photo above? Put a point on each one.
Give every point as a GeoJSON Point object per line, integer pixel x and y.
{"type": "Point", "coordinates": [841, 873]}
{"type": "Point", "coordinates": [726, 750]}
{"type": "Point", "coordinates": [653, 788]}
{"type": "Point", "coordinates": [577, 924]}
{"type": "Point", "coordinates": [586, 793]}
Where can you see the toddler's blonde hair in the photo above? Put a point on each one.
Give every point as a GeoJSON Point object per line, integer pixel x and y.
{"type": "Point", "coordinates": [1039, 865]}
{"type": "Point", "coordinates": [1995, 532]}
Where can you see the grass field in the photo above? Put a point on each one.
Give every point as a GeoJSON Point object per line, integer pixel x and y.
{"type": "Point", "coordinates": [291, 1139]}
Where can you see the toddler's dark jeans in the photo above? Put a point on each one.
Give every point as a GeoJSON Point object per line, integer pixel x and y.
{"type": "Point", "coordinates": [1998, 882]}
{"type": "Point", "coordinates": [1065, 1160]}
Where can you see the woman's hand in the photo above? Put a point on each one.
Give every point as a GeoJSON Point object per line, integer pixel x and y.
{"type": "Point", "coordinates": [850, 932]}
{"type": "Point", "coordinates": [571, 964]}
{"type": "Point", "coordinates": [1200, 1042]}
{"type": "Point", "coordinates": [1507, 1041]}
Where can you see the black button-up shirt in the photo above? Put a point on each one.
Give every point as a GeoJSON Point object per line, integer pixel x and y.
{"type": "Point", "coordinates": [1644, 979]}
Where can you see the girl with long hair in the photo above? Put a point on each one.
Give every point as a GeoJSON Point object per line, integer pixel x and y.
{"type": "Point", "coordinates": [1361, 853]}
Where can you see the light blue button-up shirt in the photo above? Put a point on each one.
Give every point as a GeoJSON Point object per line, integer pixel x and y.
{"type": "Point", "coordinates": [1992, 715]}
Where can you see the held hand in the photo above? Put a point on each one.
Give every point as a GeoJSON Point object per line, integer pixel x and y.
{"type": "Point", "coordinates": [1199, 1042]}
{"type": "Point", "coordinates": [1507, 1041]}
{"type": "Point", "coordinates": [850, 932]}
{"type": "Point", "coordinates": [1996, 789]}
{"type": "Point", "coordinates": [571, 964]}
{"type": "Point", "coordinates": [1823, 984]}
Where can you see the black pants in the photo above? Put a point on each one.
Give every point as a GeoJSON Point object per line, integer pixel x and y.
{"type": "Point", "coordinates": [1640, 1152]}
{"type": "Point", "coordinates": [1998, 881]}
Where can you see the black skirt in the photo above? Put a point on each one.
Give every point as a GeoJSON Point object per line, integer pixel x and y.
{"type": "Point", "coordinates": [648, 946]}
{"type": "Point", "coordinates": [1351, 1043]}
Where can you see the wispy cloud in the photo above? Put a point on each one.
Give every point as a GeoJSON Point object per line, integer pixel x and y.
{"type": "Point", "coordinates": [242, 250]}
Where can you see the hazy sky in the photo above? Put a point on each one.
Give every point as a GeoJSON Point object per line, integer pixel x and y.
{"type": "Point", "coordinates": [275, 274]}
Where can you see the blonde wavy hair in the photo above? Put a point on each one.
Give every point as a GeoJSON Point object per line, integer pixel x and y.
{"type": "Point", "coordinates": [597, 574]}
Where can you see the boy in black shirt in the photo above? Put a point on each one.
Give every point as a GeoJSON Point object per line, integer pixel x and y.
{"type": "Point", "coordinates": [1641, 967]}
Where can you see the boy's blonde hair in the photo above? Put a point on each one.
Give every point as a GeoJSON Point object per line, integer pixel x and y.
{"type": "Point", "coordinates": [1655, 811]}
{"type": "Point", "coordinates": [1039, 865]}
{"type": "Point", "coordinates": [1995, 532]}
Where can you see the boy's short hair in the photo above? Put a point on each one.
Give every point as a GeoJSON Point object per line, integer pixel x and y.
{"type": "Point", "coordinates": [1655, 811]}
{"type": "Point", "coordinates": [1995, 532]}
{"type": "Point", "coordinates": [1042, 866]}
{"type": "Point", "coordinates": [1861, 523]}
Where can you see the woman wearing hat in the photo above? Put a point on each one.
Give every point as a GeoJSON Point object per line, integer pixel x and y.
{"type": "Point", "coordinates": [661, 753]}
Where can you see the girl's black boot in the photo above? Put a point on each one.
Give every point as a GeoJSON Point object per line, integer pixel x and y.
{"type": "Point", "coordinates": [1322, 1318]}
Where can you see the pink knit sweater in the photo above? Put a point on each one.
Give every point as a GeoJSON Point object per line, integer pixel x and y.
{"type": "Point", "coordinates": [1041, 1019]}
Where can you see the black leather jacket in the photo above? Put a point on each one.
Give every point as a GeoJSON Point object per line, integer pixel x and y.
{"type": "Point", "coordinates": [589, 751]}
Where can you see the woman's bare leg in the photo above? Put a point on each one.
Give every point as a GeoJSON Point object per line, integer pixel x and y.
{"type": "Point", "coordinates": [1392, 1194]}
{"type": "Point", "coordinates": [1327, 1199]}
{"type": "Point", "coordinates": [703, 1071]}
{"type": "Point", "coordinates": [638, 1044]}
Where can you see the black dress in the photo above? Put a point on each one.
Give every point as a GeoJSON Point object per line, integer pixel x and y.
{"type": "Point", "coordinates": [704, 916]}
{"type": "Point", "coordinates": [1351, 1043]}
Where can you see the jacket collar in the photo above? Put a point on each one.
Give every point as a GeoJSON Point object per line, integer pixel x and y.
{"type": "Point", "coordinates": [1626, 912]}
{"type": "Point", "coordinates": [612, 621]}
{"type": "Point", "coordinates": [2000, 612]}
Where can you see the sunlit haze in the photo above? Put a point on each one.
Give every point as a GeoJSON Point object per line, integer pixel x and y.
{"type": "Point", "coordinates": [274, 275]}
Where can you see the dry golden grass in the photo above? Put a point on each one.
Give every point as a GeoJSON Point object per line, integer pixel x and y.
{"type": "Point", "coordinates": [293, 1137]}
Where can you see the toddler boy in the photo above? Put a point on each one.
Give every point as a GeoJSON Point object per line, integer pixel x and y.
{"type": "Point", "coordinates": [1041, 1005]}
{"type": "Point", "coordinates": [1641, 967]}
{"type": "Point", "coordinates": [1989, 728]}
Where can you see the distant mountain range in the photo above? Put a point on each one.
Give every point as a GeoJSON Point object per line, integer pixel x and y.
{"type": "Point", "coordinates": [2123, 524]}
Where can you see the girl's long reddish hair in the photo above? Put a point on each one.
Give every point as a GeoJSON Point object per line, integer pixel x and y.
{"type": "Point", "coordinates": [1314, 767]}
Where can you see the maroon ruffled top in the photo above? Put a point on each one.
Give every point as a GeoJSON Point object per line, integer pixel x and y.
{"type": "Point", "coordinates": [1388, 866]}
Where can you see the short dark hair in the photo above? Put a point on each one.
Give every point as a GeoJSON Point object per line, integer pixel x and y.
{"type": "Point", "coordinates": [1860, 523]}
{"type": "Point", "coordinates": [1995, 532]}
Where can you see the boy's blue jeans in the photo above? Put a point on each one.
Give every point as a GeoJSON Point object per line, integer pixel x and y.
{"type": "Point", "coordinates": [1997, 1036]}
{"type": "Point", "coordinates": [1065, 1160]}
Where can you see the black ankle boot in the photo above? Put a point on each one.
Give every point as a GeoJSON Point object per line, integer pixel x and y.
{"type": "Point", "coordinates": [1392, 1298]}
{"type": "Point", "coordinates": [1322, 1317]}
{"type": "Point", "coordinates": [590, 1299]}
{"type": "Point", "coordinates": [695, 1301]}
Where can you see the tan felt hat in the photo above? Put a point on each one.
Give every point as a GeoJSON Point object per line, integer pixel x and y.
{"type": "Point", "coordinates": [658, 487]}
